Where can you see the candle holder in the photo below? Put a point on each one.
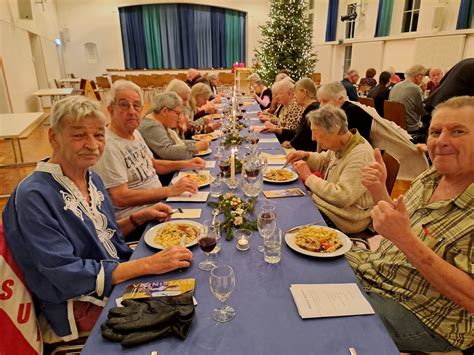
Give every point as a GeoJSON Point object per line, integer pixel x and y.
{"type": "Point", "coordinates": [242, 239]}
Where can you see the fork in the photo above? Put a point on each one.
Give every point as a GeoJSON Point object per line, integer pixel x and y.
{"type": "Point", "coordinates": [297, 228]}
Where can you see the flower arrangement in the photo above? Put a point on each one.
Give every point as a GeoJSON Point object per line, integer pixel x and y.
{"type": "Point", "coordinates": [232, 139]}
{"type": "Point", "coordinates": [236, 212]}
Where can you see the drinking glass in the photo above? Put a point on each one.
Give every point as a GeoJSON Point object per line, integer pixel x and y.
{"type": "Point", "coordinates": [222, 283]}
{"type": "Point", "coordinates": [207, 241]}
{"type": "Point", "coordinates": [217, 248]}
{"type": "Point", "coordinates": [216, 186]}
{"type": "Point", "coordinates": [266, 222]}
{"type": "Point", "coordinates": [272, 247]}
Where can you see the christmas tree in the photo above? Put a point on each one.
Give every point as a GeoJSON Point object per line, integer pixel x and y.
{"type": "Point", "coordinates": [286, 42]}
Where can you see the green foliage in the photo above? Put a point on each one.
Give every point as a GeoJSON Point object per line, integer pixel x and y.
{"type": "Point", "coordinates": [286, 41]}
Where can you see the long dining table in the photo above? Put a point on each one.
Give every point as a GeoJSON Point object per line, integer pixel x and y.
{"type": "Point", "coordinates": [267, 320]}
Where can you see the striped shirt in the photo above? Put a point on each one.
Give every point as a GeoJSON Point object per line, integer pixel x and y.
{"type": "Point", "coordinates": [450, 229]}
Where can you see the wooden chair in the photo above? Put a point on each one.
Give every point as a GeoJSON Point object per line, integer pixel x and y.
{"type": "Point", "coordinates": [395, 111]}
{"type": "Point", "coordinates": [392, 165]}
{"type": "Point", "coordinates": [316, 77]}
{"type": "Point", "coordinates": [103, 83]}
{"type": "Point", "coordinates": [367, 101]}
{"type": "Point", "coordinates": [117, 77]}
{"type": "Point", "coordinates": [181, 76]}
{"type": "Point", "coordinates": [226, 79]}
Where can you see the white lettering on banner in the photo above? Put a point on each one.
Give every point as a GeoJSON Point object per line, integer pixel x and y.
{"type": "Point", "coordinates": [16, 302]}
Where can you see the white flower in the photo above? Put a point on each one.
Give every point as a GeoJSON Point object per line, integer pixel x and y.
{"type": "Point", "coordinates": [238, 220]}
{"type": "Point", "coordinates": [239, 211]}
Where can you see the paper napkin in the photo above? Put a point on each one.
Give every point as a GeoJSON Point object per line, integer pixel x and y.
{"type": "Point", "coordinates": [268, 140]}
{"type": "Point", "coordinates": [187, 213]}
{"type": "Point", "coordinates": [200, 196]}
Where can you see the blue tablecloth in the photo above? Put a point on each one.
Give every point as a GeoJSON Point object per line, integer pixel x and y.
{"type": "Point", "coordinates": [266, 321]}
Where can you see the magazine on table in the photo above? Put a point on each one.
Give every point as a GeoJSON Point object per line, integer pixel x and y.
{"type": "Point", "coordinates": [159, 288]}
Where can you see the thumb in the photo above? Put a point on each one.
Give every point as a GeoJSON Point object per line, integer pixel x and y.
{"type": "Point", "coordinates": [378, 156]}
{"type": "Point", "coordinates": [400, 205]}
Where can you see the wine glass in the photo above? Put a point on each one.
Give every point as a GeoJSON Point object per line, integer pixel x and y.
{"type": "Point", "coordinates": [222, 283]}
{"type": "Point", "coordinates": [207, 241]}
{"type": "Point", "coordinates": [266, 222]}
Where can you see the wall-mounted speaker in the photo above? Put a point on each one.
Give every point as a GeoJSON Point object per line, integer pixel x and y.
{"type": "Point", "coordinates": [24, 10]}
{"type": "Point", "coordinates": [438, 18]}
{"type": "Point", "coordinates": [64, 34]}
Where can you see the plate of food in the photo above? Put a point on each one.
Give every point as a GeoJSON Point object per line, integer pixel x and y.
{"type": "Point", "coordinates": [318, 241]}
{"type": "Point", "coordinates": [205, 137]}
{"type": "Point", "coordinates": [280, 176]}
{"type": "Point", "coordinates": [170, 233]}
{"type": "Point", "coordinates": [203, 152]}
{"type": "Point", "coordinates": [202, 178]}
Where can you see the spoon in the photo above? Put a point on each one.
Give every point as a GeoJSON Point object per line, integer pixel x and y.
{"type": "Point", "coordinates": [215, 212]}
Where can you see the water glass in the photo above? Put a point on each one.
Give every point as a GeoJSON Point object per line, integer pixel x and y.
{"type": "Point", "coordinates": [266, 222]}
{"type": "Point", "coordinates": [222, 284]}
{"type": "Point", "coordinates": [216, 186]}
{"type": "Point", "coordinates": [272, 247]}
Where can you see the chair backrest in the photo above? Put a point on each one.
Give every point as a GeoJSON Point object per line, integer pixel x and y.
{"type": "Point", "coordinates": [316, 77]}
{"type": "Point", "coordinates": [392, 165]}
{"type": "Point", "coordinates": [103, 82]}
{"type": "Point", "coordinates": [117, 77]}
{"type": "Point", "coordinates": [367, 101]}
{"type": "Point", "coordinates": [395, 111]}
{"type": "Point", "coordinates": [225, 79]}
{"type": "Point", "coordinates": [20, 331]}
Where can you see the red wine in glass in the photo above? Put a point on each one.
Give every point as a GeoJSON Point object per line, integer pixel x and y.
{"type": "Point", "coordinates": [207, 244]}
{"type": "Point", "coordinates": [252, 173]}
{"type": "Point", "coordinates": [254, 140]}
{"type": "Point", "coordinates": [224, 165]}
{"type": "Point", "coordinates": [243, 110]}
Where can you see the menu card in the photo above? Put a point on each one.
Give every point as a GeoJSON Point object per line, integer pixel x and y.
{"type": "Point", "coordinates": [257, 128]}
{"type": "Point", "coordinates": [284, 193]}
{"type": "Point", "coordinates": [329, 300]}
{"type": "Point", "coordinates": [200, 196]}
{"type": "Point", "coordinates": [268, 140]}
{"type": "Point", "coordinates": [274, 159]}
{"type": "Point", "coordinates": [210, 164]}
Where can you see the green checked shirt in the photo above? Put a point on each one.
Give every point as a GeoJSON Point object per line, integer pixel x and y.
{"type": "Point", "coordinates": [388, 272]}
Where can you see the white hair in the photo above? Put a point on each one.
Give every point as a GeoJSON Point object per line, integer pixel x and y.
{"type": "Point", "coordinates": [166, 99]}
{"type": "Point", "coordinates": [331, 119]}
{"type": "Point", "coordinates": [73, 109]}
{"type": "Point", "coordinates": [123, 85]}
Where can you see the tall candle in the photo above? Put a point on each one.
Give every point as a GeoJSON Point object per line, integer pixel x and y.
{"type": "Point", "coordinates": [232, 165]}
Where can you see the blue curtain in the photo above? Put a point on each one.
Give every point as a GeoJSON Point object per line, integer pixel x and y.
{"type": "Point", "coordinates": [189, 49]}
{"type": "Point", "coordinates": [135, 37]}
{"type": "Point", "coordinates": [465, 16]}
{"type": "Point", "coordinates": [170, 35]}
{"type": "Point", "coordinates": [218, 37]}
{"type": "Point", "coordinates": [384, 18]}
{"type": "Point", "coordinates": [174, 36]}
{"type": "Point", "coordinates": [331, 25]}
{"type": "Point", "coordinates": [202, 33]}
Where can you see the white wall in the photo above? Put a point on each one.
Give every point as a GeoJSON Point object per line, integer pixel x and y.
{"type": "Point", "coordinates": [16, 52]}
{"type": "Point", "coordinates": [103, 28]}
{"type": "Point", "coordinates": [399, 50]}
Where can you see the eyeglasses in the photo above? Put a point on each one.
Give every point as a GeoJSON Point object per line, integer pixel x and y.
{"type": "Point", "coordinates": [125, 105]}
{"type": "Point", "coordinates": [172, 109]}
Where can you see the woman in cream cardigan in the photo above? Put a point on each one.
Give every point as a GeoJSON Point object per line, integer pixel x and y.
{"type": "Point", "coordinates": [334, 176]}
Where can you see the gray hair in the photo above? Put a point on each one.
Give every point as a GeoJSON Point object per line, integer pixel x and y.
{"type": "Point", "coordinates": [334, 90]}
{"type": "Point", "coordinates": [166, 99]}
{"type": "Point", "coordinates": [350, 72]}
{"type": "Point", "coordinates": [285, 85]}
{"type": "Point", "coordinates": [178, 86]}
{"type": "Point", "coordinates": [73, 109]}
{"type": "Point", "coordinates": [415, 70]}
{"type": "Point", "coordinates": [198, 90]}
{"type": "Point", "coordinates": [331, 119]}
{"type": "Point", "coordinates": [211, 76]}
{"type": "Point", "coordinates": [123, 85]}
{"type": "Point", "coordinates": [255, 78]}
{"type": "Point", "coordinates": [308, 85]}
{"type": "Point", "coordinates": [456, 103]}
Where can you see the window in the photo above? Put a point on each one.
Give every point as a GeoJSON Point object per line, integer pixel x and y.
{"type": "Point", "coordinates": [347, 58]}
{"type": "Point", "coordinates": [350, 24]}
{"type": "Point", "coordinates": [410, 15]}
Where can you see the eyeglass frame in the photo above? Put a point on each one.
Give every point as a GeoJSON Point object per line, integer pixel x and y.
{"type": "Point", "coordinates": [124, 105]}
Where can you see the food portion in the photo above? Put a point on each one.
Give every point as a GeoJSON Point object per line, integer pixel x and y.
{"type": "Point", "coordinates": [204, 137]}
{"type": "Point", "coordinates": [172, 233]}
{"type": "Point", "coordinates": [279, 174]}
{"type": "Point", "coordinates": [200, 179]}
{"type": "Point", "coordinates": [318, 239]}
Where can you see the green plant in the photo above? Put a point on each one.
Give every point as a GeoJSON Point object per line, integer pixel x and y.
{"type": "Point", "coordinates": [236, 211]}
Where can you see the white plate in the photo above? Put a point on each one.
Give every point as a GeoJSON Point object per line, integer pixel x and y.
{"type": "Point", "coordinates": [204, 152]}
{"type": "Point", "coordinates": [184, 173]}
{"type": "Point", "coordinates": [293, 178]}
{"type": "Point", "coordinates": [153, 231]}
{"type": "Point", "coordinates": [200, 137]}
{"type": "Point", "coordinates": [346, 245]}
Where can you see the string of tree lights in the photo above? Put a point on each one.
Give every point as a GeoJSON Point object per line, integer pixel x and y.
{"type": "Point", "coordinates": [286, 41]}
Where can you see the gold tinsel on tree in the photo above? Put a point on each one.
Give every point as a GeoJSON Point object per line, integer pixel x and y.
{"type": "Point", "coordinates": [286, 41]}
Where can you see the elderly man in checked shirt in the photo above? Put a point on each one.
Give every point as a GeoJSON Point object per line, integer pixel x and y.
{"type": "Point", "coordinates": [420, 279]}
